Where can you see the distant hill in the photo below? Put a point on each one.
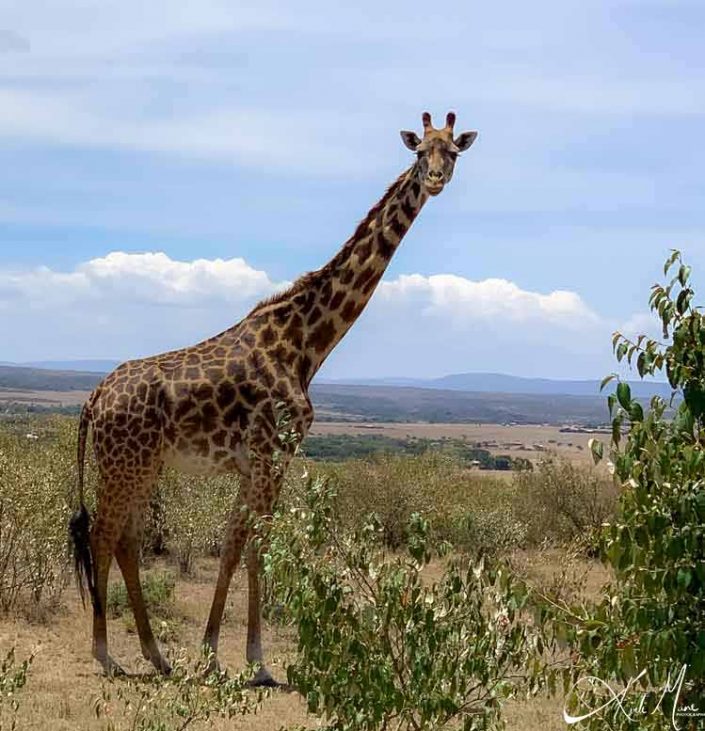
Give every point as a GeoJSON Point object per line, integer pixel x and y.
{"type": "Point", "coordinates": [473, 382]}
{"type": "Point", "coordinates": [84, 366]}
{"type": "Point", "coordinates": [17, 378]}
{"type": "Point", "coordinates": [501, 383]}
{"type": "Point", "coordinates": [496, 398]}
{"type": "Point", "coordinates": [403, 403]}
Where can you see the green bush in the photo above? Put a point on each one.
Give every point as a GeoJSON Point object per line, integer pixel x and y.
{"type": "Point", "coordinates": [158, 590]}
{"type": "Point", "coordinates": [560, 501]}
{"type": "Point", "coordinates": [188, 698]}
{"type": "Point", "coordinates": [36, 480]}
{"type": "Point", "coordinates": [650, 626]}
{"type": "Point", "coordinates": [494, 532]}
{"type": "Point", "coordinates": [380, 646]}
{"type": "Point", "coordinates": [340, 447]}
{"type": "Point", "coordinates": [13, 678]}
{"type": "Point", "coordinates": [193, 514]}
{"type": "Point", "coordinates": [434, 484]}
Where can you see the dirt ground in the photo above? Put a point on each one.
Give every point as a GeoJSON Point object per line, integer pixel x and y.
{"type": "Point", "coordinates": [44, 398]}
{"type": "Point", "coordinates": [64, 681]}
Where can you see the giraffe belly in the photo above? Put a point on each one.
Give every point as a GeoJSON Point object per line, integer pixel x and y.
{"type": "Point", "coordinates": [198, 464]}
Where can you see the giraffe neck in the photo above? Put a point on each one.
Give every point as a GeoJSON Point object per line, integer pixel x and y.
{"type": "Point", "coordinates": [337, 293]}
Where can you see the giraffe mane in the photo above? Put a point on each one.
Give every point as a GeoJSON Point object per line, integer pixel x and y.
{"type": "Point", "coordinates": [305, 281]}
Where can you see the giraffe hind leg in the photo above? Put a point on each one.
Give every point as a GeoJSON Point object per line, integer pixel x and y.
{"type": "Point", "coordinates": [127, 555]}
{"type": "Point", "coordinates": [104, 537]}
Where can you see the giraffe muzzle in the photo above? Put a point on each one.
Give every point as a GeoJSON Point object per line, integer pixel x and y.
{"type": "Point", "coordinates": [435, 180]}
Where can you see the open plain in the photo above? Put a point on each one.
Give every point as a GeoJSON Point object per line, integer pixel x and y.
{"type": "Point", "coordinates": [518, 440]}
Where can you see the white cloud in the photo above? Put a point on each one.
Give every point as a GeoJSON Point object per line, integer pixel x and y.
{"type": "Point", "coordinates": [464, 301]}
{"type": "Point", "coordinates": [126, 305]}
{"type": "Point", "coordinates": [423, 326]}
{"type": "Point", "coordinates": [149, 278]}
{"type": "Point", "coordinates": [642, 323]}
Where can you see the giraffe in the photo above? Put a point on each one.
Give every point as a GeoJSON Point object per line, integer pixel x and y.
{"type": "Point", "coordinates": [212, 408]}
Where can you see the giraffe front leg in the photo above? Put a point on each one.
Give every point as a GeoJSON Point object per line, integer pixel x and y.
{"type": "Point", "coordinates": [236, 536]}
{"type": "Point", "coordinates": [256, 501]}
{"type": "Point", "coordinates": [263, 676]}
{"type": "Point", "coordinates": [266, 483]}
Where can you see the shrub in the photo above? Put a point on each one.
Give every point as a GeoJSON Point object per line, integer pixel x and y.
{"type": "Point", "coordinates": [560, 501]}
{"type": "Point", "coordinates": [188, 698]}
{"type": "Point", "coordinates": [650, 626]}
{"type": "Point", "coordinates": [13, 678]}
{"type": "Point", "coordinates": [435, 485]}
{"type": "Point", "coordinates": [494, 532]}
{"type": "Point", "coordinates": [36, 478]}
{"type": "Point", "coordinates": [379, 645]}
{"type": "Point", "coordinates": [195, 512]}
{"type": "Point", "coordinates": [157, 588]}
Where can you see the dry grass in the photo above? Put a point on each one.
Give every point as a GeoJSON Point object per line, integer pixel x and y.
{"type": "Point", "coordinates": [64, 680]}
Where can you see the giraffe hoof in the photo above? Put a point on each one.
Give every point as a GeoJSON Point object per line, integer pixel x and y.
{"type": "Point", "coordinates": [263, 679]}
{"type": "Point", "coordinates": [111, 669]}
{"type": "Point", "coordinates": [212, 666]}
{"type": "Point", "coordinates": [163, 667]}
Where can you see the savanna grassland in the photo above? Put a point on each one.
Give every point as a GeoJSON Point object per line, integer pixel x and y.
{"type": "Point", "coordinates": [541, 519]}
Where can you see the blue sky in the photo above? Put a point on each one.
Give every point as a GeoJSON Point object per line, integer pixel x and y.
{"type": "Point", "coordinates": [166, 166]}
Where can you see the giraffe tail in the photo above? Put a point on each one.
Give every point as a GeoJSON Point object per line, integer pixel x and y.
{"type": "Point", "coordinates": [79, 524]}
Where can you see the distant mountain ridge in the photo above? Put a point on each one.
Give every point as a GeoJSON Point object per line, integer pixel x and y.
{"type": "Point", "coordinates": [502, 383]}
{"type": "Point", "coordinates": [84, 366]}
{"type": "Point", "coordinates": [472, 382]}
{"type": "Point", "coordinates": [473, 397]}
{"type": "Point", "coordinates": [20, 378]}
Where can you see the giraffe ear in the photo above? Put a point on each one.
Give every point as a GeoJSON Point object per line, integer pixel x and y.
{"type": "Point", "coordinates": [464, 140]}
{"type": "Point", "coordinates": [410, 139]}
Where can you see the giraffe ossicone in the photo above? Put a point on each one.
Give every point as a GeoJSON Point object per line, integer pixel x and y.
{"type": "Point", "coordinates": [212, 407]}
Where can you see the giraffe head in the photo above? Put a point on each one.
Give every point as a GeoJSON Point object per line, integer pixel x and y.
{"type": "Point", "coordinates": [437, 151]}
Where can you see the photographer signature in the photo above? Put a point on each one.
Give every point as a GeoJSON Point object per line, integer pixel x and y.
{"type": "Point", "coordinates": [617, 698]}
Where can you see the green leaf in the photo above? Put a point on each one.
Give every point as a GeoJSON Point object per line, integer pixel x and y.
{"type": "Point", "coordinates": [683, 274]}
{"type": "Point", "coordinates": [675, 255]}
{"type": "Point", "coordinates": [596, 449]}
{"type": "Point", "coordinates": [642, 363]}
{"type": "Point", "coordinates": [624, 395]}
{"type": "Point", "coordinates": [611, 401]}
{"type": "Point", "coordinates": [683, 301]}
{"type": "Point", "coordinates": [694, 395]}
{"type": "Point", "coordinates": [606, 380]}
{"type": "Point", "coordinates": [685, 576]}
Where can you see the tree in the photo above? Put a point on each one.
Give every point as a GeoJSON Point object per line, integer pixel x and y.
{"type": "Point", "coordinates": [647, 635]}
